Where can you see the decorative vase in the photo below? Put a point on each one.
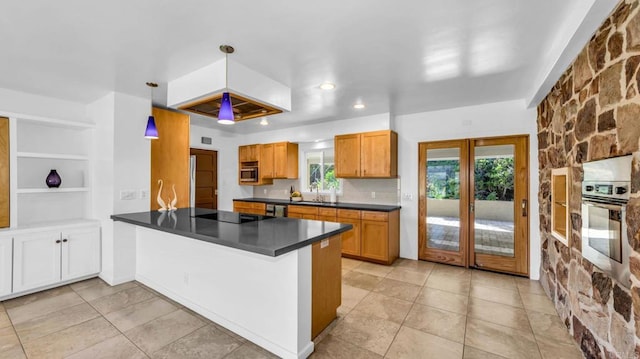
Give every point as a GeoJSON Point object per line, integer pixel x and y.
{"type": "Point", "coordinates": [53, 179]}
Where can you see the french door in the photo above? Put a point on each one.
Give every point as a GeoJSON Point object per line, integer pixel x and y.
{"type": "Point", "coordinates": [474, 203]}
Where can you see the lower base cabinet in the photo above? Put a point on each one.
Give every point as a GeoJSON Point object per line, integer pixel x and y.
{"type": "Point", "coordinates": [6, 251]}
{"type": "Point", "coordinates": [249, 207]}
{"type": "Point", "coordinates": [375, 235]}
{"type": "Point", "coordinates": [45, 258]}
{"type": "Point", "coordinates": [326, 283]}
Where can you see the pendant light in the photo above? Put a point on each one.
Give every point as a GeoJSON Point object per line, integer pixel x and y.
{"type": "Point", "coordinates": [225, 115]}
{"type": "Point", "coordinates": [151, 132]}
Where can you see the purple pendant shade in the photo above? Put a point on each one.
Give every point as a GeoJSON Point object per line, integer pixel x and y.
{"type": "Point", "coordinates": [151, 132]}
{"type": "Point", "coordinates": [225, 115]}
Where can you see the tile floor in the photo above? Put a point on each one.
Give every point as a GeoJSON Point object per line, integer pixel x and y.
{"type": "Point", "coordinates": [412, 309]}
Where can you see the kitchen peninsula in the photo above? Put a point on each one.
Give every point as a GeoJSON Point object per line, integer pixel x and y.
{"type": "Point", "coordinates": [274, 281]}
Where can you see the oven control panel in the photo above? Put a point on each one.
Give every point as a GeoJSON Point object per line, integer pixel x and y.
{"type": "Point", "coordinates": [617, 190]}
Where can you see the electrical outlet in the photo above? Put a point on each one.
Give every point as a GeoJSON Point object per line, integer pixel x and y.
{"type": "Point", "coordinates": [264, 191]}
{"type": "Point", "coordinates": [408, 196]}
{"type": "Point", "coordinates": [373, 195]}
{"type": "Point", "coordinates": [286, 192]}
{"type": "Point", "coordinates": [144, 193]}
{"type": "Point", "coordinates": [128, 195]}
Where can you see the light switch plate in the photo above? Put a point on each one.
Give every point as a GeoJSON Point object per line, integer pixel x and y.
{"type": "Point", "coordinates": [128, 195]}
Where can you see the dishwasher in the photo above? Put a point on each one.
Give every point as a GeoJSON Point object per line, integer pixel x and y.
{"type": "Point", "coordinates": [276, 210]}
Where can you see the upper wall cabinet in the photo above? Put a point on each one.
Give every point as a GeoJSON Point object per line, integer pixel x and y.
{"type": "Point", "coordinates": [279, 160]}
{"type": "Point", "coordinates": [367, 155]}
{"type": "Point", "coordinates": [249, 153]}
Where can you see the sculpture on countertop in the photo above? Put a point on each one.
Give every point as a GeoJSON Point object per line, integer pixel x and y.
{"type": "Point", "coordinates": [172, 204]}
{"type": "Point", "coordinates": [163, 206]}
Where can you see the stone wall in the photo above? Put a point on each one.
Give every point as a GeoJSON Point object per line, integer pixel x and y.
{"type": "Point", "coordinates": [593, 112]}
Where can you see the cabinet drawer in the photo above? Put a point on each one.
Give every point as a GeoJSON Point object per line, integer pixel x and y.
{"type": "Point", "coordinates": [303, 209]}
{"type": "Point", "coordinates": [249, 205]}
{"type": "Point", "coordinates": [348, 213]}
{"type": "Point", "coordinates": [328, 212]}
{"type": "Point", "coordinates": [375, 216]}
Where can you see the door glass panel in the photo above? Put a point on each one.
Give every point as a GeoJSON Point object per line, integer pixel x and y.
{"type": "Point", "coordinates": [493, 200]}
{"type": "Point", "coordinates": [443, 199]}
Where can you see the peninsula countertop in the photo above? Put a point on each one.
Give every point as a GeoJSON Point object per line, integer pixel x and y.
{"type": "Point", "coordinates": [341, 205]}
{"type": "Point", "coordinates": [270, 236]}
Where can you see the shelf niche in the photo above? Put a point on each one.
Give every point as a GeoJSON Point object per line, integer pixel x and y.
{"type": "Point", "coordinates": [559, 204]}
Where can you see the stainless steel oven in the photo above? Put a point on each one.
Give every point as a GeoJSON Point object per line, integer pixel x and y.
{"type": "Point", "coordinates": [249, 174]}
{"type": "Point", "coordinates": [605, 193]}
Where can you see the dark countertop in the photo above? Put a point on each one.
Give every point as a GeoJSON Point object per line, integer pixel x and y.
{"type": "Point", "coordinates": [271, 237]}
{"type": "Point", "coordinates": [359, 206]}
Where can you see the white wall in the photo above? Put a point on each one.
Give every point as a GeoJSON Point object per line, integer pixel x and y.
{"type": "Point", "coordinates": [122, 162]}
{"type": "Point", "coordinates": [35, 105]}
{"type": "Point", "coordinates": [496, 119]}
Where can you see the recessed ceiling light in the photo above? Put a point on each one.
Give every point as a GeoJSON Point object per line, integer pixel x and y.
{"type": "Point", "coordinates": [327, 86]}
{"type": "Point", "coordinates": [264, 122]}
{"type": "Point", "coordinates": [358, 106]}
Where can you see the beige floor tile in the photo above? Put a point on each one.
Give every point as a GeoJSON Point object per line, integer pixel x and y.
{"type": "Point", "coordinates": [228, 332]}
{"type": "Point", "coordinates": [499, 313]}
{"type": "Point", "coordinates": [436, 298]}
{"type": "Point", "coordinates": [2, 309]}
{"type": "Point", "coordinates": [436, 321]}
{"type": "Point", "coordinates": [367, 332]}
{"type": "Point", "coordinates": [413, 265]}
{"type": "Point", "coordinates": [501, 340]}
{"type": "Point", "coordinates": [10, 344]}
{"type": "Point", "coordinates": [102, 289]}
{"type": "Point", "coordinates": [334, 348]}
{"type": "Point", "coordinates": [453, 285]}
{"type": "Point", "coordinates": [30, 298]}
{"type": "Point", "coordinates": [350, 264]}
{"type": "Point", "coordinates": [397, 289]}
{"type": "Point", "coordinates": [250, 351]}
{"type": "Point", "coordinates": [117, 347]}
{"type": "Point", "coordinates": [86, 283]}
{"type": "Point", "coordinates": [43, 306]}
{"type": "Point", "coordinates": [373, 269]}
{"type": "Point", "coordinates": [361, 280]}
{"type": "Point", "coordinates": [503, 296]}
{"type": "Point", "coordinates": [207, 342]}
{"type": "Point", "coordinates": [71, 340]}
{"type": "Point", "coordinates": [121, 299]}
{"type": "Point", "coordinates": [342, 311]}
{"type": "Point", "coordinates": [553, 349]}
{"type": "Point", "coordinates": [55, 322]}
{"type": "Point", "coordinates": [550, 326]}
{"type": "Point", "coordinates": [411, 343]}
{"type": "Point", "coordinates": [538, 303]}
{"type": "Point", "coordinates": [4, 320]}
{"type": "Point", "coordinates": [351, 296]}
{"type": "Point", "coordinates": [140, 313]}
{"type": "Point", "coordinates": [493, 280]}
{"type": "Point", "coordinates": [473, 353]}
{"type": "Point", "coordinates": [409, 276]}
{"type": "Point", "coordinates": [526, 285]}
{"type": "Point", "coordinates": [161, 331]}
{"type": "Point", "coordinates": [384, 307]}
{"type": "Point", "coordinates": [345, 271]}
{"type": "Point", "coordinates": [452, 271]}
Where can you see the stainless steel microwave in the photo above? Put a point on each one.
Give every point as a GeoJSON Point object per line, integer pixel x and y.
{"type": "Point", "coordinates": [249, 174]}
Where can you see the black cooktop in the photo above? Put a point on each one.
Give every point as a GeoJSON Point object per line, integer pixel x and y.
{"type": "Point", "coordinates": [233, 217]}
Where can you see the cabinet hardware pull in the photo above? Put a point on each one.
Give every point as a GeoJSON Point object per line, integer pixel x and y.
{"type": "Point", "coordinates": [65, 240]}
{"type": "Point", "coordinates": [524, 208]}
{"type": "Point", "coordinates": [58, 241]}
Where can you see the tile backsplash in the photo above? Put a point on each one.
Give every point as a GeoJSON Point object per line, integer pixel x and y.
{"type": "Point", "coordinates": [387, 191]}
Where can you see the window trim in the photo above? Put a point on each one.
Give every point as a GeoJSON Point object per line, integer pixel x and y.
{"type": "Point", "coordinates": [304, 175]}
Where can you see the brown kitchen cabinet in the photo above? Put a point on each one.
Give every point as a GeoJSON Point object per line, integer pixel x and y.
{"type": "Point", "coordinates": [249, 153]}
{"type": "Point", "coordinates": [347, 155]}
{"type": "Point", "coordinates": [279, 160]}
{"type": "Point", "coordinates": [326, 283]}
{"type": "Point", "coordinates": [249, 207]}
{"type": "Point", "coordinates": [376, 237]}
{"type": "Point", "coordinates": [350, 238]}
{"type": "Point", "coordinates": [367, 155]}
{"type": "Point", "coordinates": [302, 212]}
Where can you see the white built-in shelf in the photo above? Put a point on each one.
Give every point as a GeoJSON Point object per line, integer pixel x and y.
{"type": "Point", "coordinates": [49, 225]}
{"type": "Point", "coordinates": [50, 121]}
{"type": "Point", "coordinates": [55, 156]}
{"type": "Point", "coordinates": [53, 190]}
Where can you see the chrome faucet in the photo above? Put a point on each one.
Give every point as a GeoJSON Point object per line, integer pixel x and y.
{"type": "Point", "coordinates": [318, 196]}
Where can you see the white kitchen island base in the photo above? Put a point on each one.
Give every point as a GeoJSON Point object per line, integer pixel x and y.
{"type": "Point", "coordinates": [266, 300]}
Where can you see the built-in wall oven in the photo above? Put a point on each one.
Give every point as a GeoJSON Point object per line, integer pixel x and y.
{"type": "Point", "coordinates": [605, 193]}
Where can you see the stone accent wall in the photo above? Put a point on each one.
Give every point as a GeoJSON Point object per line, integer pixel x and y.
{"type": "Point", "coordinates": [593, 112]}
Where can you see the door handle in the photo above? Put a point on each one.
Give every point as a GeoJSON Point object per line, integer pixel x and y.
{"type": "Point", "coordinates": [524, 208]}
{"type": "Point", "coordinates": [471, 207]}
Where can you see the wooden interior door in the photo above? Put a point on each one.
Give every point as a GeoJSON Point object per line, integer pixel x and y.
{"type": "Point", "coordinates": [4, 172]}
{"type": "Point", "coordinates": [443, 215]}
{"type": "Point", "coordinates": [499, 210]}
{"type": "Point", "coordinates": [206, 185]}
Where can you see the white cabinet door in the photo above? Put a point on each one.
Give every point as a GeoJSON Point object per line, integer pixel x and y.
{"type": "Point", "coordinates": [80, 252]}
{"type": "Point", "coordinates": [6, 261]}
{"type": "Point", "coordinates": [36, 260]}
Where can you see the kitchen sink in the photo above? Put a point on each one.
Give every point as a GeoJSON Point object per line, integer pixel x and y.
{"type": "Point", "coordinates": [316, 203]}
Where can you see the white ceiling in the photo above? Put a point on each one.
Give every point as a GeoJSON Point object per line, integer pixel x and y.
{"type": "Point", "coordinates": [394, 56]}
